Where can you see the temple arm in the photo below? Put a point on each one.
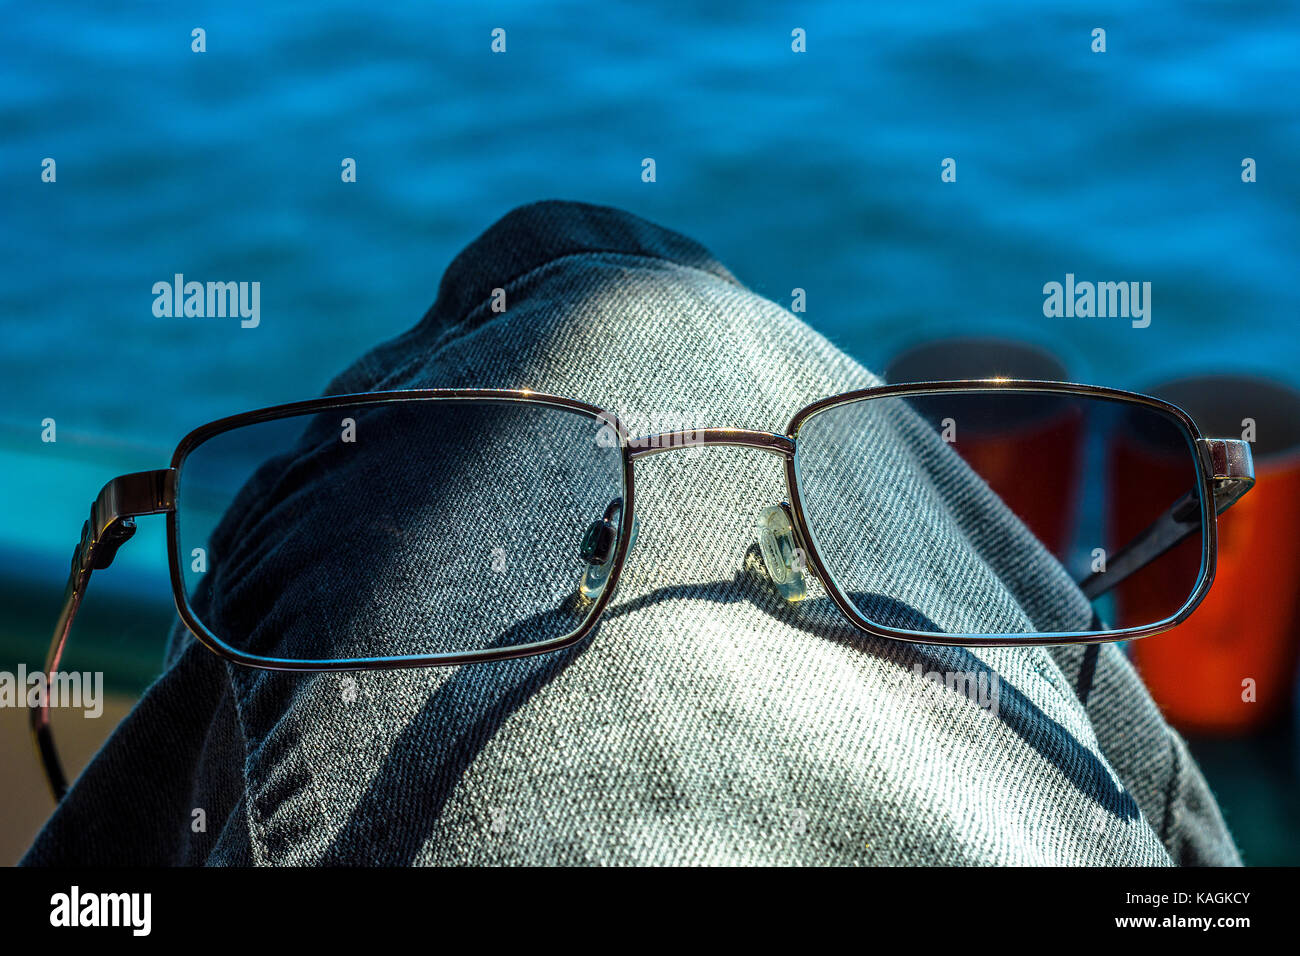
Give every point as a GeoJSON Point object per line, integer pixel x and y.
{"type": "Point", "coordinates": [1232, 474]}
{"type": "Point", "coordinates": [111, 523]}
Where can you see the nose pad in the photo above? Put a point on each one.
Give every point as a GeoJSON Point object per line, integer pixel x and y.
{"type": "Point", "coordinates": [781, 555]}
{"type": "Point", "coordinates": [598, 547]}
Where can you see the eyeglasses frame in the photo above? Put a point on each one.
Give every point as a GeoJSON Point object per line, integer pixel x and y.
{"type": "Point", "coordinates": [1224, 471]}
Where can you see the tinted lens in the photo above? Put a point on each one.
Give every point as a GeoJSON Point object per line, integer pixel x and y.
{"type": "Point", "coordinates": [401, 529]}
{"type": "Point", "coordinates": [984, 513]}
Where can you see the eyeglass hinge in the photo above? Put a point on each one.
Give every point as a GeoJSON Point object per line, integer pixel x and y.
{"type": "Point", "coordinates": [112, 516]}
{"type": "Point", "coordinates": [1232, 469]}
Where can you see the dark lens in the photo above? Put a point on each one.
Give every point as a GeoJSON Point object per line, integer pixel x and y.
{"type": "Point", "coordinates": [396, 530]}
{"type": "Point", "coordinates": [1004, 512]}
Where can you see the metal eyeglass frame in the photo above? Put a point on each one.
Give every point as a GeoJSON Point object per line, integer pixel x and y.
{"type": "Point", "coordinates": [1224, 471]}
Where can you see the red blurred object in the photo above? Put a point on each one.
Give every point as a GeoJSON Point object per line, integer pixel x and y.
{"type": "Point", "coordinates": [1055, 446]}
{"type": "Point", "coordinates": [1248, 627]}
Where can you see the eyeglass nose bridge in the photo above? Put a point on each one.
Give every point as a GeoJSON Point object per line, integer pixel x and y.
{"type": "Point", "coordinates": [770, 442]}
{"type": "Point", "coordinates": [780, 540]}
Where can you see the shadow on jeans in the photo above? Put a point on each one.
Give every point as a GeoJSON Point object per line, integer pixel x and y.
{"type": "Point", "coordinates": [439, 744]}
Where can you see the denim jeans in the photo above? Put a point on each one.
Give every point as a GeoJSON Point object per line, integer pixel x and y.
{"type": "Point", "coordinates": [706, 720]}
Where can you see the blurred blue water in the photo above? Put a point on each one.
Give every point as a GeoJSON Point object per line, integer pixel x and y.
{"type": "Point", "coordinates": [818, 170]}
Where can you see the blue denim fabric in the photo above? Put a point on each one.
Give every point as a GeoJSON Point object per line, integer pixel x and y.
{"type": "Point", "coordinates": [706, 721]}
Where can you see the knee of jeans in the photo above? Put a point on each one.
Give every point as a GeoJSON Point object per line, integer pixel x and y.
{"type": "Point", "coordinates": [557, 236]}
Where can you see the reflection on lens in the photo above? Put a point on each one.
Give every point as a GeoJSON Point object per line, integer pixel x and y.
{"type": "Point", "coordinates": [396, 530]}
{"type": "Point", "coordinates": [983, 513]}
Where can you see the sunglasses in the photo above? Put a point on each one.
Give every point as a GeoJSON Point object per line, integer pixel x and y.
{"type": "Point", "coordinates": [438, 527]}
